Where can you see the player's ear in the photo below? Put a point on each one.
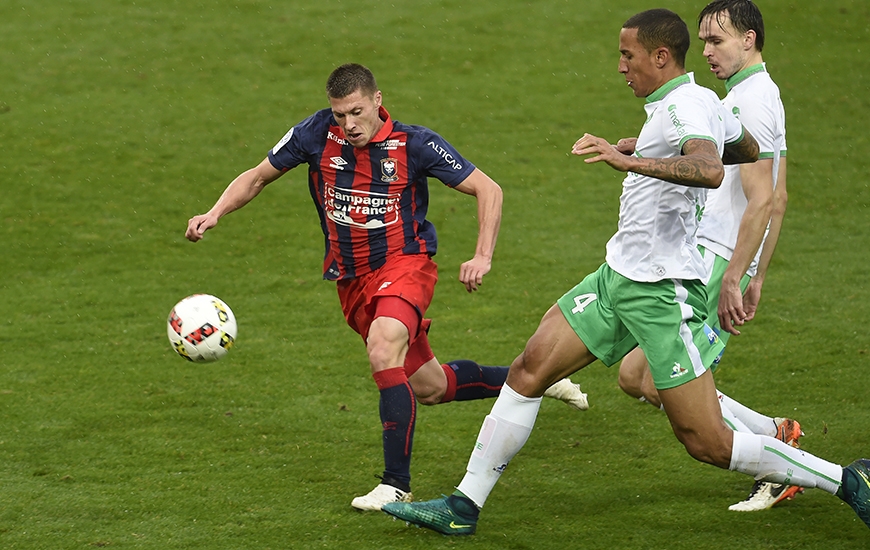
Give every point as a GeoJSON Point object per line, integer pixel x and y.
{"type": "Point", "coordinates": [661, 56]}
{"type": "Point", "coordinates": [749, 39]}
{"type": "Point", "coordinates": [378, 98]}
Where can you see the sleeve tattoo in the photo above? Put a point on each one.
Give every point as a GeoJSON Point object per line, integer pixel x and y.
{"type": "Point", "coordinates": [744, 151]}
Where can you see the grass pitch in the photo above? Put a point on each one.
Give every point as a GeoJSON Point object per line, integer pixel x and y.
{"type": "Point", "coordinates": [120, 120]}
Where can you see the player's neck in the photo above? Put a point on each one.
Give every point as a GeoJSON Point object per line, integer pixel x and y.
{"type": "Point", "coordinates": [752, 60]}
{"type": "Point", "coordinates": [670, 74]}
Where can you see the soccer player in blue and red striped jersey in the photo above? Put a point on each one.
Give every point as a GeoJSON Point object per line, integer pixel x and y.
{"type": "Point", "coordinates": [368, 179]}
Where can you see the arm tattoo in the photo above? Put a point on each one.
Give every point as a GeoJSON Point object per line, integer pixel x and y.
{"type": "Point", "coordinates": [699, 166]}
{"type": "Point", "coordinates": [745, 150]}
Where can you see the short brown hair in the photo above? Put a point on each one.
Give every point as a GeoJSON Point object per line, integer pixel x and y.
{"type": "Point", "coordinates": [745, 16]}
{"type": "Point", "coordinates": [349, 78]}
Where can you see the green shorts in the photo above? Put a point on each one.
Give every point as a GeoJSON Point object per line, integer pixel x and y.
{"type": "Point", "coordinates": [612, 314]}
{"type": "Point", "coordinates": [714, 288]}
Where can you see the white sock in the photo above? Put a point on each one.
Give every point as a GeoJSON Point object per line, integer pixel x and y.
{"type": "Point", "coordinates": [769, 459]}
{"type": "Point", "coordinates": [731, 419]}
{"type": "Point", "coordinates": [756, 422]}
{"type": "Point", "coordinates": [504, 432]}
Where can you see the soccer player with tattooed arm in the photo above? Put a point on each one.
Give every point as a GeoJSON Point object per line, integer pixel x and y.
{"type": "Point", "coordinates": [650, 292]}
{"type": "Point", "coordinates": [742, 219]}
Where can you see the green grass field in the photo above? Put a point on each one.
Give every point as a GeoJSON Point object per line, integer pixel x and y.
{"type": "Point", "coordinates": [120, 120]}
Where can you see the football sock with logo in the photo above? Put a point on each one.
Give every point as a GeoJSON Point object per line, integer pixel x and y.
{"type": "Point", "coordinates": [755, 421]}
{"type": "Point", "coordinates": [398, 414]}
{"type": "Point", "coordinates": [768, 459]}
{"type": "Point", "coordinates": [504, 432]}
{"type": "Point", "coordinates": [466, 380]}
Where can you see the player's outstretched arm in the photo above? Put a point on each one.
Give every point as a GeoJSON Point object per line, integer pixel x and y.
{"type": "Point", "coordinates": [752, 296]}
{"type": "Point", "coordinates": [489, 201]}
{"type": "Point", "coordinates": [745, 150]}
{"type": "Point", "coordinates": [757, 182]}
{"type": "Point", "coordinates": [616, 156]}
{"type": "Point", "coordinates": [698, 166]}
{"type": "Point", "coordinates": [238, 193]}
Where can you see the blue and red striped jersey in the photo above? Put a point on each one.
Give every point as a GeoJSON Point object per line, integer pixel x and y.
{"type": "Point", "coordinates": [372, 201]}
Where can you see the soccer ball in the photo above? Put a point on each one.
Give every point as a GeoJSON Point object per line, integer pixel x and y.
{"type": "Point", "coordinates": [201, 328]}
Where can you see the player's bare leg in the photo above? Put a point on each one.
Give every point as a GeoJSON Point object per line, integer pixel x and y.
{"type": "Point", "coordinates": [696, 418]}
{"type": "Point", "coordinates": [636, 380]}
{"type": "Point", "coordinates": [551, 354]}
{"type": "Point", "coordinates": [387, 343]}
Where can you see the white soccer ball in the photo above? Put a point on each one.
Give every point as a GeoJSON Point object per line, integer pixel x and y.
{"type": "Point", "coordinates": [201, 328]}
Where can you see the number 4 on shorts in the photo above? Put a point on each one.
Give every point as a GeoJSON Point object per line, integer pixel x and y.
{"type": "Point", "coordinates": [583, 300]}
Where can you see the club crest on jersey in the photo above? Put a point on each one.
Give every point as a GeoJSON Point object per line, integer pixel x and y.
{"type": "Point", "coordinates": [389, 169]}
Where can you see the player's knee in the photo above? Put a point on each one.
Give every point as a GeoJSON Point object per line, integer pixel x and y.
{"type": "Point", "coordinates": [429, 383]}
{"type": "Point", "coordinates": [430, 393]}
{"type": "Point", "coordinates": [630, 383]}
{"type": "Point", "coordinates": [429, 400]}
{"type": "Point", "coordinates": [527, 377]}
{"type": "Point", "coordinates": [383, 354]}
{"type": "Point", "coordinates": [705, 449]}
{"type": "Point", "coordinates": [386, 343]}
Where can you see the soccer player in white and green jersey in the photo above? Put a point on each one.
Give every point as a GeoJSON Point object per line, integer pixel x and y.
{"type": "Point", "coordinates": [737, 215]}
{"type": "Point", "coordinates": [649, 292]}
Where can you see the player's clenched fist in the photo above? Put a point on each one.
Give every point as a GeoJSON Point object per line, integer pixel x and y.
{"type": "Point", "coordinates": [198, 225]}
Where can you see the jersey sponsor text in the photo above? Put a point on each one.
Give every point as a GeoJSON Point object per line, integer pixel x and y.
{"type": "Point", "coordinates": [352, 207]}
{"type": "Point", "coordinates": [445, 154]}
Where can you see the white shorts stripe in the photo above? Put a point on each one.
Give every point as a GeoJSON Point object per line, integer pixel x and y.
{"type": "Point", "coordinates": [681, 294]}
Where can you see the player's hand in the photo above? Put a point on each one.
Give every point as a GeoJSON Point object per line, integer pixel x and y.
{"type": "Point", "coordinates": [751, 298]}
{"type": "Point", "coordinates": [471, 272]}
{"type": "Point", "coordinates": [198, 225]}
{"type": "Point", "coordinates": [731, 312]}
{"type": "Point", "coordinates": [602, 151]}
{"type": "Point", "coordinates": [626, 145]}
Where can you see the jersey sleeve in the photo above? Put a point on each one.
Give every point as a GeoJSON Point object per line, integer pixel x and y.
{"type": "Point", "coordinates": [761, 122]}
{"type": "Point", "coordinates": [292, 150]}
{"type": "Point", "coordinates": [435, 157]}
{"type": "Point", "coordinates": [685, 119]}
{"type": "Point", "coordinates": [733, 127]}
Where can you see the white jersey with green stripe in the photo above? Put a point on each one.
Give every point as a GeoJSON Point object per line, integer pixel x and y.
{"type": "Point", "coordinates": [753, 98]}
{"type": "Point", "coordinates": [658, 220]}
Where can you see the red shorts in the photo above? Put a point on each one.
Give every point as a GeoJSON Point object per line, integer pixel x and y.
{"type": "Point", "coordinates": [409, 277]}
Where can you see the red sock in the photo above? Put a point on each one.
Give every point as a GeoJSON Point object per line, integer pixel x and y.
{"type": "Point", "coordinates": [450, 394]}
